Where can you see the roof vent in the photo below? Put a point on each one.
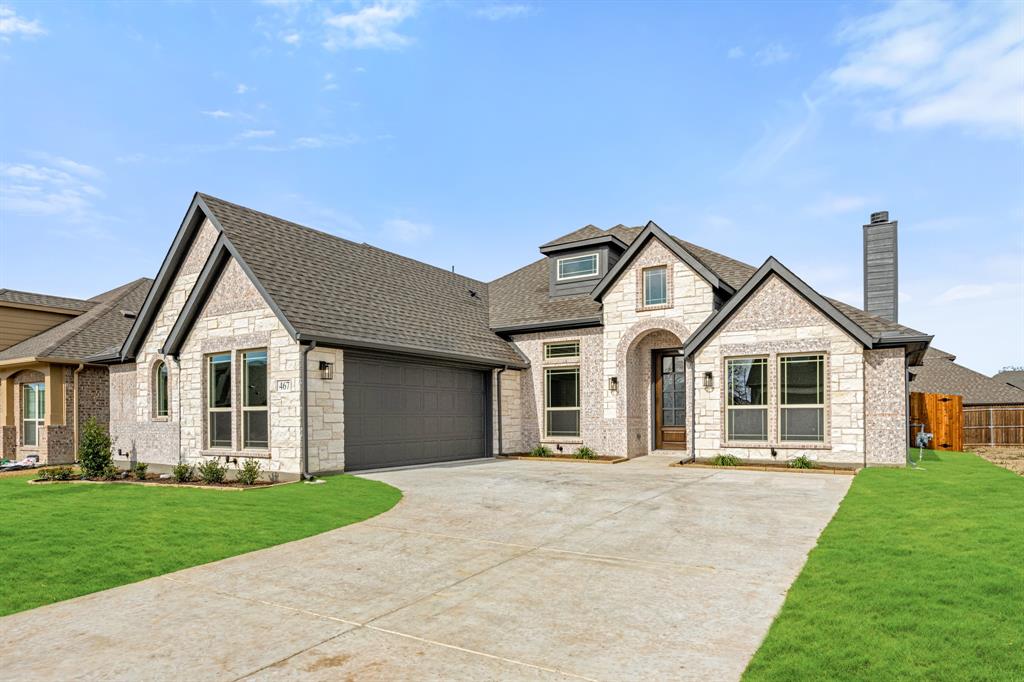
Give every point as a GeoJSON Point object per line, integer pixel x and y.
{"type": "Point", "coordinates": [879, 217]}
{"type": "Point", "coordinates": [129, 314]}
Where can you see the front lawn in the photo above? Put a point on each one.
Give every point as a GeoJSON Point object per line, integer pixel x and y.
{"type": "Point", "coordinates": [920, 575]}
{"type": "Point", "coordinates": [60, 540]}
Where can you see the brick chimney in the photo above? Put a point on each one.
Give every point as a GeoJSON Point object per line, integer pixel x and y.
{"type": "Point", "coordinates": [881, 266]}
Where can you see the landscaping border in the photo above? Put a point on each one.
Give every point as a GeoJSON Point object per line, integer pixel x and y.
{"type": "Point", "coordinates": [615, 460]}
{"type": "Point", "coordinates": [768, 467]}
{"type": "Point", "coordinates": [153, 484]}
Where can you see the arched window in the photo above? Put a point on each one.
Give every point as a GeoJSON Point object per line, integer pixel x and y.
{"type": "Point", "coordinates": [160, 404]}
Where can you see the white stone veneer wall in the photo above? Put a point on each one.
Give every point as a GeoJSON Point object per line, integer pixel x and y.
{"type": "Point", "coordinates": [511, 415]}
{"type": "Point", "coordinates": [885, 406]}
{"type": "Point", "coordinates": [326, 403]}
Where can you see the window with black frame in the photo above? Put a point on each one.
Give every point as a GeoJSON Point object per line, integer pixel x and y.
{"type": "Point", "coordinates": [802, 398]}
{"type": "Point", "coordinates": [254, 399]}
{"type": "Point", "coordinates": [219, 400]}
{"type": "Point", "coordinates": [562, 402]}
{"type": "Point", "coordinates": [746, 413]}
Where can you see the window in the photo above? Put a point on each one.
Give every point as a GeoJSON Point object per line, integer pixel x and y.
{"type": "Point", "coordinates": [656, 286]}
{"type": "Point", "coordinates": [577, 266]}
{"type": "Point", "coordinates": [562, 402]}
{"type": "Point", "coordinates": [254, 399]}
{"type": "Point", "coordinates": [558, 351]}
{"type": "Point", "coordinates": [33, 412]}
{"type": "Point", "coordinates": [802, 398]}
{"type": "Point", "coordinates": [219, 405]}
{"type": "Point", "coordinates": [161, 389]}
{"type": "Point", "coordinates": [746, 399]}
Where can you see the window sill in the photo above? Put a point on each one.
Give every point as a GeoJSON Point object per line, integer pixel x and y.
{"type": "Point", "coordinates": [660, 306]}
{"type": "Point", "coordinates": [161, 419]}
{"type": "Point", "coordinates": [571, 440]}
{"type": "Point", "coordinates": [239, 454]}
{"type": "Point", "coordinates": [761, 445]}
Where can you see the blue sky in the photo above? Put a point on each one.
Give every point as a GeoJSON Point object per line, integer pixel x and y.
{"type": "Point", "coordinates": [467, 134]}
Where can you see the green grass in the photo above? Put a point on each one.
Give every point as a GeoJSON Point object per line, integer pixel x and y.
{"type": "Point", "coordinates": [60, 541]}
{"type": "Point", "coordinates": [919, 576]}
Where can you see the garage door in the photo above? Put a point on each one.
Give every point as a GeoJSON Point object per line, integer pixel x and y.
{"type": "Point", "coordinates": [400, 412]}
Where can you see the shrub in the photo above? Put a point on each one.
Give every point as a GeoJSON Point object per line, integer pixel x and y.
{"type": "Point", "coordinates": [94, 454]}
{"type": "Point", "coordinates": [45, 474]}
{"type": "Point", "coordinates": [250, 472]}
{"type": "Point", "coordinates": [726, 461]}
{"type": "Point", "coordinates": [110, 472]}
{"type": "Point", "coordinates": [211, 471]}
{"type": "Point", "coordinates": [801, 462]}
{"type": "Point", "coordinates": [541, 451]}
{"type": "Point", "coordinates": [183, 473]}
{"type": "Point", "coordinates": [585, 453]}
{"type": "Point", "coordinates": [139, 470]}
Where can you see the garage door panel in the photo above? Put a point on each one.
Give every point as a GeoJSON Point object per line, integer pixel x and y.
{"type": "Point", "coordinates": [400, 412]}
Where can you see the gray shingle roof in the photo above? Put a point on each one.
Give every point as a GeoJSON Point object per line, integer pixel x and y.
{"type": "Point", "coordinates": [31, 298]}
{"type": "Point", "coordinates": [331, 287]}
{"type": "Point", "coordinates": [1014, 377]}
{"type": "Point", "coordinates": [939, 374]}
{"type": "Point", "coordinates": [521, 297]}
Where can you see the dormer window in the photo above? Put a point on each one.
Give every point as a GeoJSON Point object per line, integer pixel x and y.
{"type": "Point", "coordinates": [577, 267]}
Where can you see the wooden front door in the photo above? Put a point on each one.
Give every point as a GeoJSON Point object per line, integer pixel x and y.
{"type": "Point", "coordinates": [669, 401]}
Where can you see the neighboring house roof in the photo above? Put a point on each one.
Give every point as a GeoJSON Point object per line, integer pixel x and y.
{"type": "Point", "coordinates": [939, 374]}
{"type": "Point", "coordinates": [335, 291]}
{"type": "Point", "coordinates": [103, 325]}
{"type": "Point", "coordinates": [34, 300]}
{"type": "Point", "coordinates": [1013, 377]}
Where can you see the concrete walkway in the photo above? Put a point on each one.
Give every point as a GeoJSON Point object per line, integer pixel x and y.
{"type": "Point", "coordinates": [491, 571]}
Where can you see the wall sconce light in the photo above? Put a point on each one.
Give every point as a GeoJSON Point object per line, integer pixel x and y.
{"type": "Point", "coordinates": [709, 381]}
{"type": "Point", "coordinates": [326, 370]}
{"type": "Point", "coordinates": [613, 383]}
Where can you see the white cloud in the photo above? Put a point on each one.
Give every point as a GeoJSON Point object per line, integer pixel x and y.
{"type": "Point", "coordinates": [218, 113]}
{"type": "Point", "coordinates": [499, 11]}
{"type": "Point", "coordinates": [241, 89]}
{"type": "Point", "coordinates": [292, 38]}
{"type": "Point", "coordinates": [329, 83]}
{"type": "Point", "coordinates": [12, 25]}
{"type": "Point", "coordinates": [934, 64]}
{"type": "Point", "coordinates": [372, 26]}
{"type": "Point", "coordinates": [253, 134]}
{"type": "Point", "coordinates": [772, 54]}
{"type": "Point", "coordinates": [407, 231]}
{"type": "Point", "coordinates": [837, 205]}
{"type": "Point", "coordinates": [61, 188]}
{"type": "Point", "coordinates": [309, 142]}
{"type": "Point", "coordinates": [65, 164]}
{"type": "Point", "coordinates": [777, 142]}
{"type": "Point", "coordinates": [963, 292]}
{"type": "Point", "coordinates": [735, 52]}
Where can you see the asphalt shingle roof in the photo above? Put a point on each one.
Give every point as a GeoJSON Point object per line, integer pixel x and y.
{"type": "Point", "coordinates": [939, 374]}
{"type": "Point", "coordinates": [31, 298]}
{"type": "Point", "coordinates": [1014, 377]}
{"type": "Point", "coordinates": [102, 326]}
{"type": "Point", "coordinates": [335, 288]}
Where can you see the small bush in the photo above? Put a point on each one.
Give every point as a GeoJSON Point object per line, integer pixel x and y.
{"type": "Point", "coordinates": [250, 472]}
{"type": "Point", "coordinates": [726, 461]}
{"type": "Point", "coordinates": [45, 474]}
{"type": "Point", "coordinates": [801, 462]}
{"type": "Point", "coordinates": [94, 453]}
{"type": "Point", "coordinates": [541, 451]}
{"type": "Point", "coordinates": [212, 471]}
{"type": "Point", "coordinates": [139, 470]}
{"type": "Point", "coordinates": [110, 472]}
{"type": "Point", "coordinates": [585, 453]}
{"type": "Point", "coordinates": [183, 473]}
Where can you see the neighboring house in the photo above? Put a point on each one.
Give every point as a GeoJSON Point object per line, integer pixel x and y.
{"type": "Point", "coordinates": [24, 314]}
{"type": "Point", "coordinates": [1013, 377]}
{"type": "Point", "coordinates": [48, 385]}
{"type": "Point", "coordinates": [263, 338]}
{"type": "Point", "coordinates": [940, 374]}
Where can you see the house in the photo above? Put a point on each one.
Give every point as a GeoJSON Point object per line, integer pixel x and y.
{"type": "Point", "coordinates": [1013, 377]}
{"type": "Point", "coordinates": [48, 384]}
{"type": "Point", "coordinates": [24, 314]}
{"type": "Point", "coordinates": [261, 338]}
{"type": "Point", "coordinates": [939, 373]}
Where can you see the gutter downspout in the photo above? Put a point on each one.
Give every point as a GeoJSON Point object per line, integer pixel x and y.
{"type": "Point", "coordinates": [74, 406]}
{"type": "Point", "coordinates": [501, 449]}
{"type": "Point", "coordinates": [304, 411]}
{"type": "Point", "coordinates": [690, 435]}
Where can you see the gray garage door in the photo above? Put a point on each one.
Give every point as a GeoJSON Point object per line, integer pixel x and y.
{"type": "Point", "coordinates": [399, 413]}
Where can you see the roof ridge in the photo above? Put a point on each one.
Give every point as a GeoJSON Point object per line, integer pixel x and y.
{"type": "Point", "coordinates": [95, 312]}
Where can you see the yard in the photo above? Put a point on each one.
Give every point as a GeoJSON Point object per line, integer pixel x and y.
{"type": "Point", "coordinates": [64, 540]}
{"type": "Point", "coordinates": [918, 576]}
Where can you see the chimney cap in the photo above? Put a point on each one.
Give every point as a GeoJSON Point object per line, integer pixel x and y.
{"type": "Point", "coordinates": [879, 217]}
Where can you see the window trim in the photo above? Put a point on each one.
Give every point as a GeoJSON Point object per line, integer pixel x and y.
{"type": "Point", "coordinates": [161, 365]}
{"type": "Point", "coordinates": [39, 388]}
{"type": "Point", "coordinates": [765, 406]}
{"type": "Point", "coordinates": [596, 256]}
{"type": "Point", "coordinates": [551, 344]}
{"type": "Point", "coordinates": [548, 409]}
{"type": "Point", "coordinates": [210, 409]}
{"type": "Point", "coordinates": [244, 399]}
{"type": "Point", "coordinates": [822, 389]}
{"type": "Point", "coordinates": [643, 294]}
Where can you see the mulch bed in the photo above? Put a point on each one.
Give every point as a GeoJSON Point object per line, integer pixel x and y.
{"type": "Point", "coordinates": [154, 479]}
{"type": "Point", "coordinates": [1009, 457]}
{"type": "Point", "coordinates": [769, 466]}
{"type": "Point", "coordinates": [600, 459]}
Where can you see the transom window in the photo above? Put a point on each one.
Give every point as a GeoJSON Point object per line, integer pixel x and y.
{"type": "Point", "coordinates": [562, 402]}
{"type": "Point", "coordinates": [219, 400]}
{"type": "Point", "coordinates": [746, 399]}
{"type": "Point", "coordinates": [558, 351]}
{"type": "Point", "coordinates": [802, 398]}
{"type": "Point", "coordinates": [254, 399]}
{"type": "Point", "coordinates": [33, 412]}
{"type": "Point", "coordinates": [656, 286]}
{"type": "Point", "coordinates": [161, 389]}
{"type": "Point", "coordinates": [575, 267]}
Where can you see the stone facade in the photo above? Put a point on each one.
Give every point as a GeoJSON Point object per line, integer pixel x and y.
{"type": "Point", "coordinates": [885, 406]}
{"type": "Point", "coordinates": [326, 402]}
{"type": "Point", "coordinates": [510, 416]}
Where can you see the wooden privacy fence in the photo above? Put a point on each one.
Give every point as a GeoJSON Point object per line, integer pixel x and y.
{"type": "Point", "coordinates": [942, 416]}
{"type": "Point", "coordinates": [995, 425]}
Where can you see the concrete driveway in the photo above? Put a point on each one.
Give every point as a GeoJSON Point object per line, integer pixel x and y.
{"type": "Point", "coordinates": [487, 571]}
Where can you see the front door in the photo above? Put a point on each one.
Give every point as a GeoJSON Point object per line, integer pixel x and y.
{"type": "Point", "coordinates": [669, 401]}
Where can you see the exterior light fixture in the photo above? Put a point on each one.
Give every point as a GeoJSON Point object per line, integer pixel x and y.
{"type": "Point", "coordinates": [709, 381]}
{"type": "Point", "coordinates": [326, 370]}
{"type": "Point", "coordinates": [613, 383]}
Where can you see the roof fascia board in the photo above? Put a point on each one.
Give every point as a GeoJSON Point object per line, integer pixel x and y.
{"type": "Point", "coordinates": [583, 243]}
{"type": "Point", "coordinates": [548, 326]}
{"type": "Point", "coordinates": [359, 344]}
{"type": "Point", "coordinates": [653, 231]}
{"type": "Point", "coordinates": [200, 293]}
{"type": "Point", "coordinates": [768, 268]}
{"type": "Point", "coordinates": [45, 308]}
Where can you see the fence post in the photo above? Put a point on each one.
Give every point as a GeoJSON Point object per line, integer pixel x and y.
{"type": "Point", "coordinates": [991, 427]}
